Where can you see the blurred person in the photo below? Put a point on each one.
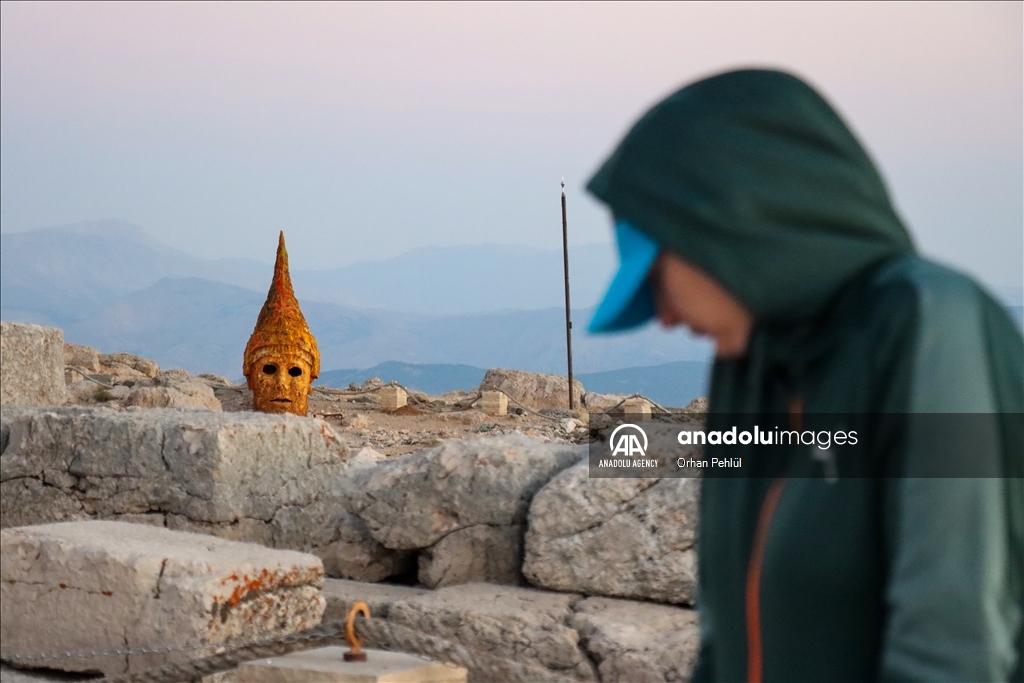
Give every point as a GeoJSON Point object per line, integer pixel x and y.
{"type": "Point", "coordinates": [745, 209]}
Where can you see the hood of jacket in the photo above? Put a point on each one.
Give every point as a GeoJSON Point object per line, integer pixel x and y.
{"type": "Point", "coordinates": [752, 176]}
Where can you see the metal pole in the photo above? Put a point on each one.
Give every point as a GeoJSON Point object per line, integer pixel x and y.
{"type": "Point", "coordinates": [568, 319]}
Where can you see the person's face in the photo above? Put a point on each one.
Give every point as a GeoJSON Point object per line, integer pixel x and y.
{"type": "Point", "coordinates": [685, 295]}
{"type": "Point", "coordinates": [280, 384]}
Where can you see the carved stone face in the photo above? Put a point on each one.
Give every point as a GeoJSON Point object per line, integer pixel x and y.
{"type": "Point", "coordinates": [280, 383]}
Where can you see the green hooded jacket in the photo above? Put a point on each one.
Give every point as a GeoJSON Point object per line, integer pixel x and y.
{"type": "Point", "coordinates": [891, 570]}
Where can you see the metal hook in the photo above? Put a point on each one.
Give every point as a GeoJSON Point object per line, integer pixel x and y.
{"type": "Point", "coordinates": [355, 653]}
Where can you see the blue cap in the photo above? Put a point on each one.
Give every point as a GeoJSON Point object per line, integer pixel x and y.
{"type": "Point", "coordinates": [629, 301]}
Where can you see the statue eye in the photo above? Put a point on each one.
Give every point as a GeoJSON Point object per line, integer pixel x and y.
{"type": "Point", "coordinates": [269, 369]}
{"type": "Point", "coordinates": [295, 372]}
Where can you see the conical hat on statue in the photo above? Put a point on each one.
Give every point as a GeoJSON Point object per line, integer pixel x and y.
{"type": "Point", "coordinates": [281, 327]}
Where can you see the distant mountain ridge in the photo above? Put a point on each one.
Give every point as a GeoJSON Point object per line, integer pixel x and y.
{"type": "Point", "coordinates": [203, 326]}
{"type": "Point", "coordinates": [110, 285]}
{"type": "Point", "coordinates": [67, 273]}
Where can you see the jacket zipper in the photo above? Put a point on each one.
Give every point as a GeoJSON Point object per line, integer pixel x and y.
{"type": "Point", "coordinates": [755, 654]}
{"type": "Point", "coordinates": [764, 520]}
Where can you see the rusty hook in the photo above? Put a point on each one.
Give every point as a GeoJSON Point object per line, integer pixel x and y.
{"type": "Point", "coordinates": [355, 653]}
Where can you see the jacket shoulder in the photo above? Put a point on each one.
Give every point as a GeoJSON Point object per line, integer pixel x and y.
{"type": "Point", "coordinates": [964, 341]}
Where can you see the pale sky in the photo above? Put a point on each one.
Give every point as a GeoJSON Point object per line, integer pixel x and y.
{"type": "Point", "coordinates": [365, 130]}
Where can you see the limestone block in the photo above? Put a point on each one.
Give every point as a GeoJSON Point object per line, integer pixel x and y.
{"type": "Point", "coordinates": [637, 408]}
{"type": "Point", "coordinates": [392, 397]}
{"type": "Point", "coordinates": [629, 538]}
{"type": "Point", "coordinates": [482, 553]}
{"type": "Point", "coordinates": [103, 586]}
{"type": "Point", "coordinates": [494, 403]}
{"type": "Point", "coordinates": [534, 390]}
{"type": "Point", "coordinates": [229, 474]}
{"type": "Point", "coordinates": [521, 624]}
{"type": "Point", "coordinates": [638, 642]}
{"type": "Point", "coordinates": [413, 501]}
{"type": "Point", "coordinates": [327, 665]}
{"type": "Point", "coordinates": [32, 362]}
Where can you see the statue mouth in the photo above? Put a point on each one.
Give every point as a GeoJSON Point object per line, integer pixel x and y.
{"type": "Point", "coordinates": [281, 400]}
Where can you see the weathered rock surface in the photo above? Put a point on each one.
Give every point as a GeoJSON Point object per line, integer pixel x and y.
{"type": "Point", "coordinates": [127, 365]}
{"type": "Point", "coordinates": [481, 553]}
{"type": "Point", "coordinates": [352, 552]}
{"type": "Point", "coordinates": [32, 358]}
{"type": "Point", "coordinates": [596, 402]}
{"type": "Point", "coordinates": [174, 389]}
{"type": "Point", "coordinates": [412, 502]}
{"type": "Point", "coordinates": [636, 642]}
{"type": "Point", "coordinates": [84, 360]}
{"type": "Point", "coordinates": [521, 624]}
{"type": "Point", "coordinates": [629, 538]}
{"type": "Point", "coordinates": [533, 389]}
{"type": "Point", "coordinates": [341, 594]}
{"type": "Point", "coordinates": [270, 479]}
{"type": "Point", "coordinates": [109, 585]}
{"type": "Point", "coordinates": [625, 641]}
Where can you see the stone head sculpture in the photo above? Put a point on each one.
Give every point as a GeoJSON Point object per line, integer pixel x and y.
{"type": "Point", "coordinates": [281, 358]}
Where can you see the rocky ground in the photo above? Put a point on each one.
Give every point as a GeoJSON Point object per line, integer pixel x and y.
{"type": "Point", "coordinates": [123, 380]}
{"type": "Point", "coordinates": [484, 529]}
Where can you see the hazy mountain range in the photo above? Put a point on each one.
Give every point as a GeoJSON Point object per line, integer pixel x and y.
{"type": "Point", "coordinates": [109, 285]}
{"type": "Point", "coordinates": [435, 318]}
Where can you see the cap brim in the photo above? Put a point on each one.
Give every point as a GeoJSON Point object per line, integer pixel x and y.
{"type": "Point", "coordinates": [629, 301]}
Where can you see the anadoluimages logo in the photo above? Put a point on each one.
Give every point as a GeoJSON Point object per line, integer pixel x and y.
{"type": "Point", "coordinates": [627, 443]}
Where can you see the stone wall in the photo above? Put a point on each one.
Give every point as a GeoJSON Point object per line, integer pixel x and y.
{"type": "Point", "coordinates": [276, 480]}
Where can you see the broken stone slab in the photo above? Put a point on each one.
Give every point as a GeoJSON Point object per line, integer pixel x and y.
{"type": "Point", "coordinates": [481, 553]}
{"type": "Point", "coordinates": [638, 642]}
{"type": "Point", "coordinates": [106, 586]}
{"type": "Point", "coordinates": [32, 358]}
{"type": "Point", "coordinates": [327, 665]}
{"type": "Point", "coordinates": [271, 479]}
{"type": "Point", "coordinates": [632, 538]}
{"type": "Point", "coordinates": [413, 501]}
{"type": "Point", "coordinates": [534, 390]}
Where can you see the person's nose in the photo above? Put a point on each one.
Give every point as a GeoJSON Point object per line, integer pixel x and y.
{"type": "Point", "coordinates": [667, 316]}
